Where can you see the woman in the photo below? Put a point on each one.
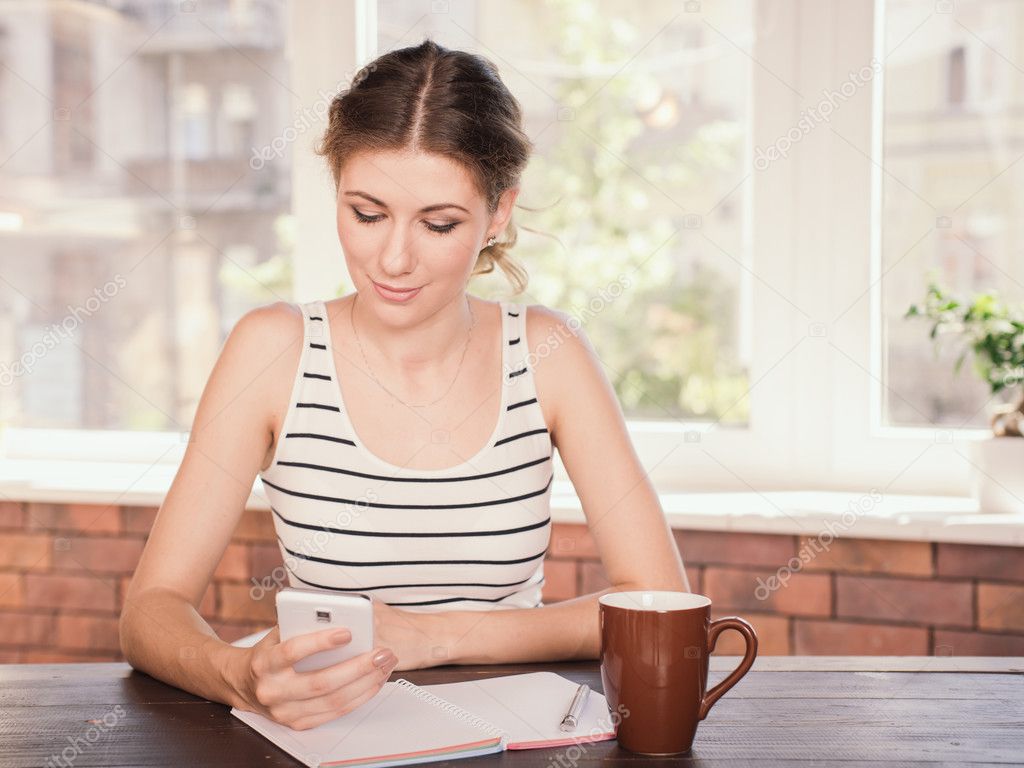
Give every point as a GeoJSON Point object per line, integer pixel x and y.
{"type": "Point", "coordinates": [365, 416]}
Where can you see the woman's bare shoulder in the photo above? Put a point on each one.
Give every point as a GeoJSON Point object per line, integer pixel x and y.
{"type": "Point", "coordinates": [269, 341]}
{"type": "Point", "coordinates": [279, 319]}
{"type": "Point", "coordinates": [548, 330]}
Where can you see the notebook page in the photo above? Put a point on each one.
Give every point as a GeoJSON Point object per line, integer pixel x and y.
{"type": "Point", "coordinates": [530, 708]}
{"type": "Point", "coordinates": [395, 727]}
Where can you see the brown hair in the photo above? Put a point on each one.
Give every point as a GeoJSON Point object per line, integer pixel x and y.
{"type": "Point", "coordinates": [452, 103]}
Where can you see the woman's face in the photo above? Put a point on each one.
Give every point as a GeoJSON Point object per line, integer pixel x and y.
{"type": "Point", "coordinates": [412, 221]}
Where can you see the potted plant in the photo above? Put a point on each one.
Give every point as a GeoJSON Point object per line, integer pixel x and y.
{"type": "Point", "coordinates": [994, 331]}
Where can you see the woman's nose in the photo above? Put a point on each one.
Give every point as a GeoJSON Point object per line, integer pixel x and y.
{"type": "Point", "coordinates": [397, 256]}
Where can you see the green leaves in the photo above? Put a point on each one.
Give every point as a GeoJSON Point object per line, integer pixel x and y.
{"type": "Point", "coordinates": [992, 330]}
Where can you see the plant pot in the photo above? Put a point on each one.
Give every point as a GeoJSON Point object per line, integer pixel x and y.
{"type": "Point", "coordinates": [997, 477]}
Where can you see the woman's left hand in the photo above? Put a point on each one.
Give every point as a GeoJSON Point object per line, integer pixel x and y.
{"type": "Point", "coordinates": [411, 635]}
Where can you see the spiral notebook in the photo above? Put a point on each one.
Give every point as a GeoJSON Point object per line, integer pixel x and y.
{"type": "Point", "coordinates": [406, 724]}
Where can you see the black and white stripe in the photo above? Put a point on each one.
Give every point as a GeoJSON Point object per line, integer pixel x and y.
{"type": "Point", "coordinates": [471, 536]}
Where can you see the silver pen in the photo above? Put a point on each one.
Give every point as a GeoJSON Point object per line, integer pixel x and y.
{"type": "Point", "coordinates": [579, 701]}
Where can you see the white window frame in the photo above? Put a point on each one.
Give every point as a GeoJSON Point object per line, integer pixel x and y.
{"type": "Point", "coordinates": [824, 198]}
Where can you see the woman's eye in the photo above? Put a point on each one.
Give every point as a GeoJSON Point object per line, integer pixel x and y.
{"type": "Point", "coordinates": [360, 216]}
{"type": "Point", "coordinates": [441, 229]}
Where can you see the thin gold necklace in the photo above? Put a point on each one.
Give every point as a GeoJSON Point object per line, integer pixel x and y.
{"type": "Point", "coordinates": [362, 352]}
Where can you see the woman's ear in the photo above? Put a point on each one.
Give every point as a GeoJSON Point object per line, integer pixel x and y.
{"type": "Point", "coordinates": [504, 210]}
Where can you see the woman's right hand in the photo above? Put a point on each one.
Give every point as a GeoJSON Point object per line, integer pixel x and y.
{"type": "Point", "coordinates": [302, 700]}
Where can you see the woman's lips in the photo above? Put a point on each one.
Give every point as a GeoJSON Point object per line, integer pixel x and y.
{"type": "Point", "coordinates": [393, 295]}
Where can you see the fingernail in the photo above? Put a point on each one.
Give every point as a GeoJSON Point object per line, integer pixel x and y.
{"type": "Point", "coordinates": [341, 636]}
{"type": "Point", "coordinates": [383, 658]}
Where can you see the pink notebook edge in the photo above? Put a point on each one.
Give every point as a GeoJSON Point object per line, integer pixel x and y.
{"type": "Point", "coordinates": [452, 750]}
{"type": "Point", "coordinates": [567, 742]}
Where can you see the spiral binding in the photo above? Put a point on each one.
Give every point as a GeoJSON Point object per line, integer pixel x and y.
{"type": "Point", "coordinates": [475, 720]}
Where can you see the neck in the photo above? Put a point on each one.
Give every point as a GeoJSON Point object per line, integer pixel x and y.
{"type": "Point", "coordinates": [422, 352]}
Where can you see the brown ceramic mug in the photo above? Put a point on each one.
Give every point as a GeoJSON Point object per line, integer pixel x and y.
{"type": "Point", "coordinates": [654, 666]}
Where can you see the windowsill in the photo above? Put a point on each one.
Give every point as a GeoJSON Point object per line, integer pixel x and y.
{"type": "Point", "coordinates": [810, 513]}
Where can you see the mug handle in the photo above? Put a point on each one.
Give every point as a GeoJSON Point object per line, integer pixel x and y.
{"type": "Point", "coordinates": [715, 629]}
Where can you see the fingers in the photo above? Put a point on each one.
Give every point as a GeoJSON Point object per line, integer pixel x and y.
{"type": "Point", "coordinates": [314, 684]}
{"type": "Point", "coordinates": [309, 713]}
{"type": "Point", "coordinates": [303, 700]}
{"type": "Point", "coordinates": [284, 655]}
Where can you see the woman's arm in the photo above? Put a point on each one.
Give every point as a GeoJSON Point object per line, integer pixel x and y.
{"type": "Point", "coordinates": [162, 632]}
{"type": "Point", "coordinates": [623, 513]}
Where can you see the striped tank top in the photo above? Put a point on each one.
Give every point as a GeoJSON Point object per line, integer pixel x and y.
{"type": "Point", "coordinates": [468, 537]}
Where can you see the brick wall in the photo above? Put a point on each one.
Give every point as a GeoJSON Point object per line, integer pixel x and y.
{"type": "Point", "coordinates": [64, 570]}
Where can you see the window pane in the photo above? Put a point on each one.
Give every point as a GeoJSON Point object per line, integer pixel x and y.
{"type": "Point", "coordinates": [134, 228]}
{"type": "Point", "coordinates": [640, 125]}
{"type": "Point", "coordinates": [951, 204]}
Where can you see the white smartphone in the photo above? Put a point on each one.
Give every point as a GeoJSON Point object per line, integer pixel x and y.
{"type": "Point", "coordinates": [301, 611]}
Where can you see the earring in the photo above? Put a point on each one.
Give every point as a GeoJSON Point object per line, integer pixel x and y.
{"type": "Point", "coordinates": [491, 241]}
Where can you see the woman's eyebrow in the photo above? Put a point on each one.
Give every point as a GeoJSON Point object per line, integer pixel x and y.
{"type": "Point", "coordinates": [428, 209]}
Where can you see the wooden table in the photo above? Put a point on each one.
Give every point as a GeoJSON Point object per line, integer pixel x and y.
{"type": "Point", "coordinates": [788, 710]}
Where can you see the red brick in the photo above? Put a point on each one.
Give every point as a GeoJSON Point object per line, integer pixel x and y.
{"type": "Point", "coordinates": [208, 605]}
{"type": "Point", "coordinates": [86, 592]}
{"type": "Point", "coordinates": [726, 548]}
{"type": "Point", "coordinates": [797, 594]}
{"type": "Point", "coordinates": [976, 561]}
{"type": "Point", "coordinates": [88, 633]}
{"type": "Point", "coordinates": [695, 575]}
{"type": "Point", "coordinates": [31, 551]}
{"type": "Point", "coordinates": [12, 515]}
{"type": "Point", "coordinates": [920, 601]}
{"type": "Point", "coordinates": [97, 554]}
{"type": "Point", "coordinates": [772, 635]}
{"type": "Point", "coordinates": [126, 582]}
{"type": "Point", "coordinates": [234, 563]}
{"type": "Point", "coordinates": [255, 525]}
{"type": "Point", "coordinates": [573, 541]}
{"type": "Point", "coordinates": [17, 628]}
{"type": "Point", "coordinates": [559, 580]}
{"type": "Point", "coordinates": [238, 603]}
{"type": "Point", "coordinates": [9, 656]}
{"type": "Point", "coordinates": [592, 577]}
{"type": "Point", "coordinates": [138, 519]}
{"type": "Point", "coordinates": [264, 559]}
{"type": "Point", "coordinates": [912, 558]}
{"type": "Point", "coordinates": [72, 518]}
{"type": "Point", "coordinates": [12, 590]}
{"type": "Point", "coordinates": [1000, 606]}
{"type": "Point", "coordinates": [841, 638]}
{"type": "Point", "coordinates": [949, 642]}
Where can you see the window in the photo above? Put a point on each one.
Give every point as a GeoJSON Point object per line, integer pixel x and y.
{"type": "Point", "coordinates": [760, 344]}
{"type": "Point", "coordinates": [135, 231]}
{"type": "Point", "coordinates": [195, 121]}
{"type": "Point", "coordinates": [640, 123]}
{"type": "Point", "coordinates": [950, 208]}
{"type": "Point", "coordinates": [238, 119]}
